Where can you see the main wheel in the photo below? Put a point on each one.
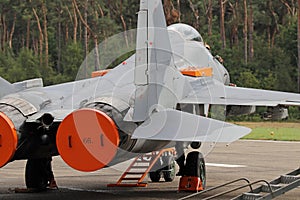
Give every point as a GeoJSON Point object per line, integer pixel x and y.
{"type": "Point", "coordinates": [155, 172]}
{"type": "Point", "coordinates": [195, 166]}
{"type": "Point", "coordinates": [36, 174]}
{"type": "Point", "coordinates": [169, 170]}
{"type": "Point", "coordinates": [196, 145]}
{"type": "Point", "coordinates": [155, 176]}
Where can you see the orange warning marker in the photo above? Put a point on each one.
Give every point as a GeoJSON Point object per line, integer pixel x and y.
{"type": "Point", "coordinates": [190, 183]}
{"type": "Point", "coordinates": [197, 72]}
{"type": "Point", "coordinates": [100, 73]}
{"type": "Point", "coordinates": [8, 139]}
{"type": "Point", "coordinates": [87, 140]}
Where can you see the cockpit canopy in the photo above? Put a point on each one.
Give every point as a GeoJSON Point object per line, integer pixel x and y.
{"type": "Point", "coordinates": [186, 31]}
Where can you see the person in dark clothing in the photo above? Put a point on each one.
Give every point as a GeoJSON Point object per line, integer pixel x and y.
{"type": "Point", "coordinates": [50, 175]}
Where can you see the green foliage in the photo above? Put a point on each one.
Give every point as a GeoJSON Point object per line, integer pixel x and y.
{"type": "Point", "coordinates": [274, 65]}
{"type": "Point", "coordinates": [6, 62]}
{"type": "Point", "coordinates": [72, 57]}
{"type": "Point", "coordinates": [247, 79]}
{"type": "Point", "coordinates": [110, 27]}
{"type": "Point", "coordinates": [282, 134]}
{"type": "Point", "coordinates": [294, 113]}
{"type": "Point", "coordinates": [287, 40]}
{"type": "Point", "coordinates": [270, 81]}
{"type": "Point", "coordinates": [27, 65]}
{"type": "Point", "coordinates": [23, 66]}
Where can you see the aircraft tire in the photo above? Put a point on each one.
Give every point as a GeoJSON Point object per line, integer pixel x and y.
{"type": "Point", "coordinates": [169, 174]}
{"type": "Point", "coordinates": [195, 166]}
{"type": "Point", "coordinates": [155, 172]}
{"type": "Point", "coordinates": [155, 176]}
{"type": "Point", "coordinates": [196, 145]}
{"type": "Point", "coordinates": [36, 174]}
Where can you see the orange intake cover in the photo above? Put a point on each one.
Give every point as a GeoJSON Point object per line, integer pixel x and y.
{"type": "Point", "coordinates": [87, 139]}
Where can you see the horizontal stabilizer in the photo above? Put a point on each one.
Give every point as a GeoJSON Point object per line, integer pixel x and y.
{"type": "Point", "coordinates": [173, 125]}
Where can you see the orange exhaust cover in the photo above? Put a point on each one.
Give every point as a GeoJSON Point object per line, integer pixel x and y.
{"type": "Point", "coordinates": [8, 139]}
{"type": "Point", "coordinates": [87, 140]}
{"type": "Point", "coordinates": [190, 183]}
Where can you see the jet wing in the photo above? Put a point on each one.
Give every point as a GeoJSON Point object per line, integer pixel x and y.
{"type": "Point", "coordinates": [210, 91]}
{"type": "Point", "coordinates": [163, 126]}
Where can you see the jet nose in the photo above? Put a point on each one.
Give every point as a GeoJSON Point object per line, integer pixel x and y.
{"type": "Point", "coordinates": [87, 139]}
{"type": "Point", "coordinates": [8, 139]}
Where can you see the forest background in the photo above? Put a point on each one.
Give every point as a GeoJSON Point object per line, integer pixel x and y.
{"type": "Point", "coordinates": [50, 39]}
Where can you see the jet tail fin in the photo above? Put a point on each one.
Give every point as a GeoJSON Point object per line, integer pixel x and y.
{"type": "Point", "coordinates": [155, 73]}
{"type": "Point", "coordinates": [5, 87]}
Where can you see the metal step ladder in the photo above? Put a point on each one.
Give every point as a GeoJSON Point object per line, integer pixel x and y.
{"type": "Point", "coordinates": [139, 168]}
{"type": "Point", "coordinates": [268, 190]}
{"type": "Point", "coordinates": [273, 189]}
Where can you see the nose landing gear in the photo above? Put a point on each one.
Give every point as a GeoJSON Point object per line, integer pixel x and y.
{"type": "Point", "coordinates": [194, 177]}
{"type": "Point", "coordinates": [165, 167]}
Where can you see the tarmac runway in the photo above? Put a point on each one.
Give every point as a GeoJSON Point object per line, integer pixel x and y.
{"type": "Point", "coordinates": [254, 160]}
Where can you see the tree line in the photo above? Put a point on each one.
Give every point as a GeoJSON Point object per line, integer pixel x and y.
{"type": "Point", "coordinates": [50, 39]}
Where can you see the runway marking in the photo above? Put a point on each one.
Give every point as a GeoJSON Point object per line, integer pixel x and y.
{"type": "Point", "coordinates": [271, 141]}
{"type": "Point", "coordinates": [114, 192]}
{"type": "Point", "coordinates": [225, 165]}
{"type": "Point", "coordinates": [85, 190]}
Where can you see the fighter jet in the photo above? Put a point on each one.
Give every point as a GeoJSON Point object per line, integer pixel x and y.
{"type": "Point", "coordinates": [159, 97]}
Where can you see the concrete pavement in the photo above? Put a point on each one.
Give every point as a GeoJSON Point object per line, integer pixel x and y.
{"type": "Point", "coordinates": [251, 159]}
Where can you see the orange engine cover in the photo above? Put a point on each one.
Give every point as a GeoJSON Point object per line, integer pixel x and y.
{"type": "Point", "coordinates": [87, 139]}
{"type": "Point", "coordinates": [8, 139]}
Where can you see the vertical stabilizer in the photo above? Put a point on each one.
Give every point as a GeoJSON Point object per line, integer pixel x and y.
{"type": "Point", "coordinates": [5, 87]}
{"type": "Point", "coordinates": [154, 71]}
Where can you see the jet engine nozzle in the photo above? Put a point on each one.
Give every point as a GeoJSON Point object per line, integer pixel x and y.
{"type": "Point", "coordinates": [47, 119]}
{"type": "Point", "coordinates": [87, 140]}
{"type": "Point", "coordinates": [8, 139]}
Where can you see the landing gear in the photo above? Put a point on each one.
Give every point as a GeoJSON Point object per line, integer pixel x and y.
{"type": "Point", "coordinates": [155, 176]}
{"type": "Point", "coordinates": [194, 178]}
{"type": "Point", "coordinates": [169, 170]}
{"type": "Point", "coordinates": [165, 166]}
{"type": "Point", "coordinates": [195, 166]}
{"type": "Point", "coordinates": [196, 145]}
